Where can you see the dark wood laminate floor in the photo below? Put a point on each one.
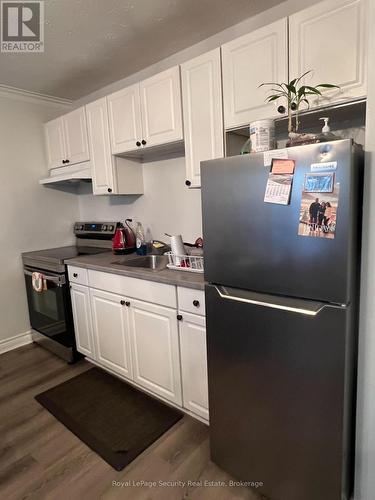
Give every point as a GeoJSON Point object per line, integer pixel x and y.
{"type": "Point", "coordinates": [41, 459]}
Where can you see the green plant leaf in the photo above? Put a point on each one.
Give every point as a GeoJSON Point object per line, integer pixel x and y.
{"type": "Point", "coordinates": [273, 98]}
{"type": "Point", "coordinates": [270, 83]}
{"type": "Point", "coordinates": [291, 88]}
{"type": "Point", "coordinates": [314, 90]}
{"type": "Point", "coordinates": [292, 82]}
{"type": "Point", "coordinates": [302, 76]}
{"type": "Point", "coordinates": [327, 86]}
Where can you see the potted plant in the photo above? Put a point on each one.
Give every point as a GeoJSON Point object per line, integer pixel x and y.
{"type": "Point", "coordinates": [296, 94]}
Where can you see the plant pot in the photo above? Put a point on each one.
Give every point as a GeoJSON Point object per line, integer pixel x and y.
{"type": "Point", "coordinates": [296, 139]}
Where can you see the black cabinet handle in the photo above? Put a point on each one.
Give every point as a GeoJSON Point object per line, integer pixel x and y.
{"type": "Point", "coordinates": [109, 190]}
{"type": "Point", "coordinates": [122, 302]}
{"type": "Point", "coordinates": [196, 303]}
{"type": "Point", "coordinates": [138, 143]}
{"type": "Point", "coordinates": [188, 183]}
{"type": "Point", "coordinates": [75, 275]}
{"type": "Point", "coordinates": [127, 303]}
{"type": "Point", "coordinates": [179, 317]}
{"type": "Point", "coordinates": [144, 142]}
{"type": "Point", "coordinates": [64, 161]}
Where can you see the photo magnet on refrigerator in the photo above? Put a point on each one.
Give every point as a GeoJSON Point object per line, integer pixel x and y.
{"type": "Point", "coordinates": [318, 213]}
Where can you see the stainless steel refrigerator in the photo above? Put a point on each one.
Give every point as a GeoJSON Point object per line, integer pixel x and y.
{"type": "Point", "coordinates": [282, 304]}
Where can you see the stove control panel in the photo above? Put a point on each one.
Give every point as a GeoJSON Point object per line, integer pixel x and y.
{"type": "Point", "coordinates": [95, 230]}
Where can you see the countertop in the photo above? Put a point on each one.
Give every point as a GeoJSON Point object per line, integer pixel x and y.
{"type": "Point", "coordinates": [106, 262]}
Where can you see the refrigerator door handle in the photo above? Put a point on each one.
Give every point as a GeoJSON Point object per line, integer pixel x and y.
{"type": "Point", "coordinates": [309, 308]}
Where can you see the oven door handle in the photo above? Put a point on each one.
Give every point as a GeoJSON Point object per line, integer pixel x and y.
{"type": "Point", "coordinates": [59, 280]}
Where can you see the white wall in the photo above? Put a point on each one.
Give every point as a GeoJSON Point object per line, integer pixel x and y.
{"type": "Point", "coordinates": [32, 216]}
{"type": "Point", "coordinates": [365, 453]}
{"type": "Point", "coordinates": [166, 207]}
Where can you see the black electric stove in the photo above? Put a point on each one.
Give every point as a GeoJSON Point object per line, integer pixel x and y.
{"type": "Point", "coordinates": [50, 311]}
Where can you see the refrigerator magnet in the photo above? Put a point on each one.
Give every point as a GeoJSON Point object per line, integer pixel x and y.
{"type": "Point", "coordinates": [324, 166]}
{"type": "Point", "coordinates": [319, 182]}
{"type": "Point", "coordinates": [282, 166]}
{"type": "Point", "coordinates": [278, 188]}
{"type": "Point", "coordinates": [318, 214]}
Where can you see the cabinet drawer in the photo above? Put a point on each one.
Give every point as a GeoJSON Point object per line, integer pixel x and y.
{"type": "Point", "coordinates": [149, 291]}
{"type": "Point", "coordinates": [191, 300]}
{"type": "Point", "coordinates": [78, 275]}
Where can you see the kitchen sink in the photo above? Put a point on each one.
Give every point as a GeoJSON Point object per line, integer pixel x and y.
{"type": "Point", "coordinates": [156, 262]}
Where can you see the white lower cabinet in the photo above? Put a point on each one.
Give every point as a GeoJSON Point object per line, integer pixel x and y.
{"type": "Point", "coordinates": [147, 343]}
{"type": "Point", "coordinates": [80, 296]}
{"type": "Point", "coordinates": [110, 318]}
{"type": "Point", "coordinates": [194, 363]}
{"type": "Point", "coordinates": [156, 360]}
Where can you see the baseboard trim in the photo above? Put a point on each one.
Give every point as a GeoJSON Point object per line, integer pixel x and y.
{"type": "Point", "coordinates": [15, 342]}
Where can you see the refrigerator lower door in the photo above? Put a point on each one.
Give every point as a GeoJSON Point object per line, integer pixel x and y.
{"type": "Point", "coordinates": [280, 392]}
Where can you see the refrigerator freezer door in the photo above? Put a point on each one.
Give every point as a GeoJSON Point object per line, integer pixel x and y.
{"type": "Point", "coordinates": [279, 393]}
{"type": "Point", "coordinates": [254, 245]}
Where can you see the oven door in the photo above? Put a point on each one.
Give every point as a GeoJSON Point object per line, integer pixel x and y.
{"type": "Point", "coordinates": [50, 310]}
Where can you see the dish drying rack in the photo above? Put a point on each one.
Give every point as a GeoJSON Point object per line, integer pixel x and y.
{"type": "Point", "coordinates": [189, 263]}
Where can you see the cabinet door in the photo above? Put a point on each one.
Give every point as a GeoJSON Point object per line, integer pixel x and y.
{"type": "Point", "coordinates": [111, 331]}
{"type": "Point", "coordinates": [248, 61]}
{"type": "Point", "coordinates": [203, 115]}
{"type": "Point", "coordinates": [103, 179]}
{"type": "Point", "coordinates": [125, 123]}
{"type": "Point", "coordinates": [330, 39]}
{"type": "Point", "coordinates": [80, 296]}
{"type": "Point", "coordinates": [161, 108]}
{"type": "Point", "coordinates": [155, 349]}
{"type": "Point", "coordinates": [101, 159]}
{"type": "Point", "coordinates": [55, 144]}
{"type": "Point", "coordinates": [194, 363]}
{"type": "Point", "coordinates": [75, 133]}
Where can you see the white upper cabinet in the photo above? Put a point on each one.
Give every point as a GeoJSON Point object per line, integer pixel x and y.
{"type": "Point", "coordinates": [54, 133]}
{"type": "Point", "coordinates": [330, 39]}
{"type": "Point", "coordinates": [202, 111]}
{"type": "Point", "coordinates": [248, 61]}
{"type": "Point", "coordinates": [110, 175]}
{"type": "Point", "coordinates": [66, 139]}
{"type": "Point", "coordinates": [75, 133]}
{"type": "Point", "coordinates": [102, 161]}
{"type": "Point", "coordinates": [124, 110]}
{"type": "Point", "coordinates": [147, 113]}
{"type": "Point", "coordinates": [161, 108]}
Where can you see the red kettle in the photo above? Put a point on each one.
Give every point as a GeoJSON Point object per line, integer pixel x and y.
{"type": "Point", "coordinates": [123, 241]}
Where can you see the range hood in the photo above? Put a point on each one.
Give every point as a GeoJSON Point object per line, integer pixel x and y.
{"type": "Point", "coordinates": [69, 174]}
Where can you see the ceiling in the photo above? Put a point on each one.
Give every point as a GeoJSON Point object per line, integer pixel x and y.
{"type": "Point", "coordinates": [92, 43]}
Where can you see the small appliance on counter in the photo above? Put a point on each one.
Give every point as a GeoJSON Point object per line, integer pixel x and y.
{"type": "Point", "coordinates": [124, 239]}
{"type": "Point", "coordinates": [50, 307]}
